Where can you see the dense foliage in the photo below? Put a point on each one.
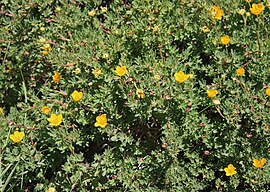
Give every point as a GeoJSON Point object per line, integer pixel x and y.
{"type": "Point", "coordinates": [138, 95]}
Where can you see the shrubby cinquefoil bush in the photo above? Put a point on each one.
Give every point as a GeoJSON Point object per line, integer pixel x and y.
{"type": "Point", "coordinates": [135, 95]}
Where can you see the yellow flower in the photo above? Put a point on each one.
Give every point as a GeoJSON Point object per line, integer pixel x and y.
{"type": "Point", "coordinates": [104, 9]}
{"type": "Point", "coordinates": [248, 14]}
{"type": "Point", "coordinates": [45, 109]}
{"type": "Point", "coordinates": [51, 189]}
{"type": "Point", "coordinates": [56, 77]}
{"type": "Point", "coordinates": [55, 120]}
{"type": "Point", "coordinates": [120, 70]}
{"type": "Point", "coordinates": [77, 96]}
{"type": "Point", "coordinates": [42, 28]}
{"type": "Point", "coordinates": [248, 1]}
{"type": "Point", "coordinates": [181, 76]}
{"type": "Point", "coordinates": [92, 13]}
{"type": "Point", "coordinates": [225, 40]}
{"type": "Point", "coordinates": [240, 71]}
{"type": "Point", "coordinates": [97, 72]}
{"type": "Point", "coordinates": [157, 77]}
{"type": "Point", "coordinates": [212, 93]}
{"type": "Point", "coordinates": [17, 136]}
{"type": "Point", "coordinates": [205, 29]}
{"type": "Point", "coordinates": [1, 111]}
{"type": "Point", "coordinates": [216, 13]}
{"type": "Point", "coordinates": [230, 170]}
{"type": "Point", "coordinates": [267, 91]}
{"type": "Point", "coordinates": [256, 9]}
{"type": "Point", "coordinates": [140, 94]}
{"type": "Point", "coordinates": [268, 4]}
{"type": "Point", "coordinates": [101, 121]}
{"type": "Point", "coordinates": [259, 163]}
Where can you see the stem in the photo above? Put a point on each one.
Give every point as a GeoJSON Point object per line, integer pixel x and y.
{"type": "Point", "coordinates": [258, 34]}
{"type": "Point", "coordinates": [204, 109]}
{"type": "Point", "coordinates": [245, 20]}
{"type": "Point", "coordinates": [259, 177]}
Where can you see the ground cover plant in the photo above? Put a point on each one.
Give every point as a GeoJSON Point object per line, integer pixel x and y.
{"type": "Point", "coordinates": [138, 95]}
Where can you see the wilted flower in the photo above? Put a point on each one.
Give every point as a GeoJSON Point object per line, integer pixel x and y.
{"type": "Point", "coordinates": [120, 70]}
{"type": "Point", "coordinates": [8, 69]}
{"type": "Point", "coordinates": [55, 120]}
{"type": "Point", "coordinates": [225, 40]}
{"type": "Point", "coordinates": [105, 55]}
{"type": "Point", "coordinates": [51, 189]}
{"type": "Point", "coordinates": [181, 76]}
{"type": "Point", "coordinates": [156, 28]}
{"type": "Point", "coordinates": [45, 109]}
{"type": "Point", "coordinates": [240, 71]}
{"type": "Point", "coordinates": [56, 77]}
{"type": "Point", "coordinates": [256, 9]}
{"type": "Point", "coordinates": [97, 72]}
{"type": "Point", "coordinates": [46, 49]}
{"type": "Point", "coordinates": [259, 163]}
{"type": "Point", "coordinates": [242, 11]}
{"type": "Point", "coordinates": [216, 101]}
{"type": "Point", "coordinates": [216, 13]}
{"type": "Point", "coordinates": [92, 13]}
{"type": "Point", "coordinates": [77, 96]}
{"type": "Point", "coordinates": [157, 77]}
{"type": "Point", "coordinates": [190, 76]}
{"type": "Point", "coordinates": [140, 94]}
{"type": "Point", "coordinates": [42, 40]}
{"type": "Point", "coordinates": [104, 9]}
{"type": "Point", "coordinates": [101, 121]}
{"type": "Point", "coordinates": [17, 136]}
{"type": "Point", "coordinates": [212, 93]}
{"type": "Point", "coordinates": [77, 71]}
{"type": "Point", "coordinates": [205, 29]}
{"type": "Point", "coordinates": [58, 9]}
{"type": "Point", "coordinates": [230, 170]}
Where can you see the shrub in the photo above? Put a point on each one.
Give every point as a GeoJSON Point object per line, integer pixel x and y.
{"type": "Point", "coordinates": [134, 95]}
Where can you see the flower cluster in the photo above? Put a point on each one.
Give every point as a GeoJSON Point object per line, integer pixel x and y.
{"type": "Point", "coordinates": [231, 170]}
{"type": "Point", "coordinates": [46, 47]}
